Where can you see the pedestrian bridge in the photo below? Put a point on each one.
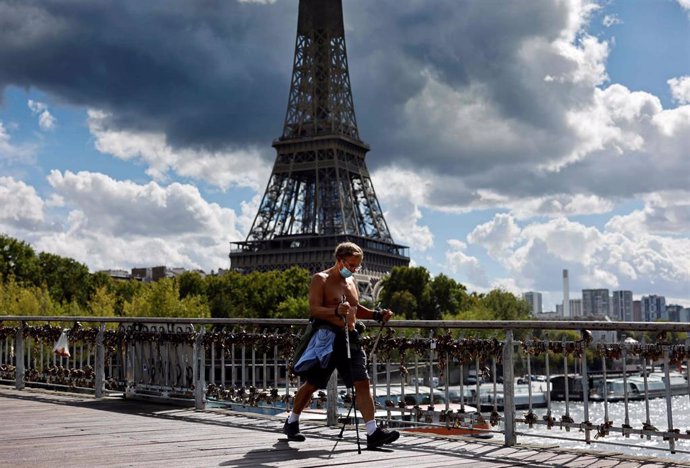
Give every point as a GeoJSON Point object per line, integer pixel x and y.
{"type": "Point", "coordinates": [42, 428]}
{"type": "Point", "coordinates": [581, 385]}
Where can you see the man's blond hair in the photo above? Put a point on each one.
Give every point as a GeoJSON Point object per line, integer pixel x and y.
{"type": "Point", "coordinates": [348, 249]}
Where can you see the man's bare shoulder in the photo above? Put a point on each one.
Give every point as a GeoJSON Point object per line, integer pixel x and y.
{"type": "Point", "coordinates": [320, 277]}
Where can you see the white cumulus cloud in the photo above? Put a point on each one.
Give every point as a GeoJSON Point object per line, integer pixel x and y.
{"type": "Point", "coordinates": [119, 224]}
{"type": "Point", "coordinates": [467, 267]}
{"type": "Point", "coordinates": [11, 153]}
{"type": "Point", "coordinates": [20, 205]}
{"type": "Point", "coordinates": [243, 167]}
{"type": "Point", "coordinates": [46, 120]}
{"type": "Point", "coordinates": [624, 255]}
{"type": "Point", "coordinates": [497, 235]}
{"type": "Point", "coordinates": [680, 89]}
{"type": "Point", "coordinates": [402, 193]}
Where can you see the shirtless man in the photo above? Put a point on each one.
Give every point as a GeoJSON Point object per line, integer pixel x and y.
{"type": "Point", "coordinates": [334, 301]}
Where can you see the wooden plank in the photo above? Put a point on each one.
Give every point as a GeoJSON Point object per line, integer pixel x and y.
{"type": "Point", "coordinates": [76, 430]}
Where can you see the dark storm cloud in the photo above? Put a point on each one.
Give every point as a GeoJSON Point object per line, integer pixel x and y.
{"type": "Point", "coordinates": [205, 73]}
{"type": "Point", "coordinates": [216, 74]}
{"type": "Point", "coordinates": [460, 43]}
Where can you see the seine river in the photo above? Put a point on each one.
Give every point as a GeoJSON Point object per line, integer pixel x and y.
{"type": "Point", "coordinates": [634, 445]}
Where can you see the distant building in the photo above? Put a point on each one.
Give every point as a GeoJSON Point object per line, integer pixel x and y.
{"type": "Point", "coordinates": [595, 302]}
{"type": "Point", "coordinates": [549, 315]}
{"type": "Point", "coordinates": [148, 274]}
{"type": "Point", "coordinates": [622, 306]}
{"type": "Point", "coordinates": [117, 274]}
{"type": "Point", "coordinates": [637, 311]}
{"type": "Point", "coordinates": [653, 308]}
{"type": "Point", "coordinates": [575, 307]}
{"type": "Point", "coordinates": [673, 312]}
{"type": "Point", "coordinates": [684, 315]}
{"type": "Point", "coordinates": [534, 300]}
{"type": "Point", "coordinates": [604, 336]}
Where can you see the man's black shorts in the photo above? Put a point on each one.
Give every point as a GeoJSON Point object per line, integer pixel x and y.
{"type": "Point", "coordinates": [319, 377]}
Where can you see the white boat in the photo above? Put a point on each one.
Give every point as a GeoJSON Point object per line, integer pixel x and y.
{"type": "Point", "coordinates": [656, 387]}
{"type": "Point", "coordinates": [521, 395]}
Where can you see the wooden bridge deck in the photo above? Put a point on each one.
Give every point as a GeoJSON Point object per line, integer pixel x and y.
{"type": "Point", "coordinates": [40, 428]}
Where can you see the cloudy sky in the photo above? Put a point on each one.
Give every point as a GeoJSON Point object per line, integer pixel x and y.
{"type": "Point", "coordinates": [510, 140]}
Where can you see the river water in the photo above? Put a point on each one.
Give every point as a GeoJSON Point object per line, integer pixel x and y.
{"type": "Point", "coordinates": [634, 444]}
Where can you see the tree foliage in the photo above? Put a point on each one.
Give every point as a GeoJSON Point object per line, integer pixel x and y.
{"type": "Point", "coordinates": [67, 280]}
{"type": "Point", "coordinates": [412, 292]}
{"type": "Point", "coordinates": [162, 299]}
{"type": "Point", "coordinates": [48, 284]}
{"type": "Point", "coordinates": [18, 260]}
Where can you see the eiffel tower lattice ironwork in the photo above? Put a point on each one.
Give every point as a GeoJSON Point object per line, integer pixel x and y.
{"type": "Point", "coordinates": [320, 192]}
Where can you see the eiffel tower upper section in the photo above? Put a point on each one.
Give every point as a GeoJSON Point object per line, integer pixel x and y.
{"type": "Point", "coordinates": [320, 192]}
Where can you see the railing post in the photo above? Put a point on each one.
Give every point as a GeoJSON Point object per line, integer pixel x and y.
{"type": "Point", "coordinates": [585, 389]}
{"type": "Point", "coordinates": [19, 370]}
{"type": "Point", "coordinates": [669, 406]}
{"type": "Point", "coordinates": [332, 400]}
{"type": "Point", "coordinates": [19, 357]}
{"type": "Point", "coordinates": [131, 363]}
{"type": "Point", "coordinates": [99, 365]}
{"type": "Point", "coordinates": [508, 390]}
{"type": "Point", "coordinates": [199, 363]}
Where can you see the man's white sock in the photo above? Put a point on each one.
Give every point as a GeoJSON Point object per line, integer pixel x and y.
{"type": "Point", "coordinates": [371, 426]}
{"type": "Point", "coordinates": [293, 417]}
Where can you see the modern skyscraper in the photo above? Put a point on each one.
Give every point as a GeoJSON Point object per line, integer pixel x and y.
{"type": "Point", "coordinates": [575, 307]}
{"type": "Point", "coordinates": [533, 298]}
{"type": "Point", "coordinates": [637, 311]}
{"type": "Point", "coordinates": [622, 306]}
{"type": "Point", "coordinates": [673, 312]}
{"type": "Point", "coordinates": [595, 302]}
{"type": "Point", "coordinates": [653, 307]}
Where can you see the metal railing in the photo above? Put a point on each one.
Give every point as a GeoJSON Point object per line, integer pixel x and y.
{"type": "Point", "coordinates": [571, 385]}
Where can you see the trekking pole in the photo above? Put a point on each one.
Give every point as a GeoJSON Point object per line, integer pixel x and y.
{"type": "Point", "coordinates": [354, 394]}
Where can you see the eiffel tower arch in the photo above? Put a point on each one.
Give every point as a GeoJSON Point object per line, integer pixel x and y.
{"type": "Point", "coordinates": [320, 192]}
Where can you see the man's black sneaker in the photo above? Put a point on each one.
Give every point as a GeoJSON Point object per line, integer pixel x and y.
{"type": "Point", "coordinates": [291, 430]}
{"type": "Point", "coordinates": [380, 437]}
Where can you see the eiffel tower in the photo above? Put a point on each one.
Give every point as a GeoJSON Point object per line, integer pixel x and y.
{"type": "Point", "coordinates": [319, 193]}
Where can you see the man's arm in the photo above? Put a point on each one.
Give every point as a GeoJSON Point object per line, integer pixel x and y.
{"type": "Point", "coordinates": [366, 313]}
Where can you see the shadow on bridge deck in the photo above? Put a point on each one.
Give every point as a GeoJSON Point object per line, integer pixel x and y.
{"type": "Point", "coordinates": [41, 428]}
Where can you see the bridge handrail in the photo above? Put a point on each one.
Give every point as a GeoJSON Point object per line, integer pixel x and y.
{"type": "Point", "coordinates": [454, 324]}
{"type": "Point", "coordinates": [144, 351]}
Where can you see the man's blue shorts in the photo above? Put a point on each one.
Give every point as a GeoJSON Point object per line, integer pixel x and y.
{"type": "Point", "coordinates": [319, 377]}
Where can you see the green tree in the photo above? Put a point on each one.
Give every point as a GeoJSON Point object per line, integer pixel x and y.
{"type": "Point", "coordinates": [226, 295]}
{"type": "Point", "coordinates": [66, 279]}
{"type": "Point", "coordinates": [505, 305]}
{"type": "Point", "coordinates": [17, 299]}
{"type": "Point", "coordinates": [415, 281]}
{"type": "Point", "coordinates": [191, 284]}
{"type": "Point", "coordinates": [292, 307]}
{"type": "Point", "coordinates": [444, 293]}
{"type": "Point", "coordinates": [162, 299]}
{"type": "Point", "coordinates": [124, 292]}
{"type": "Point", "coordinates": [403, 303]}
{"type": "Point", "coordinates": [102, 303]}
{"type": "Point", "coordinates": [18, 259]}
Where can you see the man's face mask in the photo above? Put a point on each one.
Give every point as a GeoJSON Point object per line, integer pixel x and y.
{"type": "Point", "coordinates": [347, 270]}
{"type": "Point", "coordinates": [345, 273]}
